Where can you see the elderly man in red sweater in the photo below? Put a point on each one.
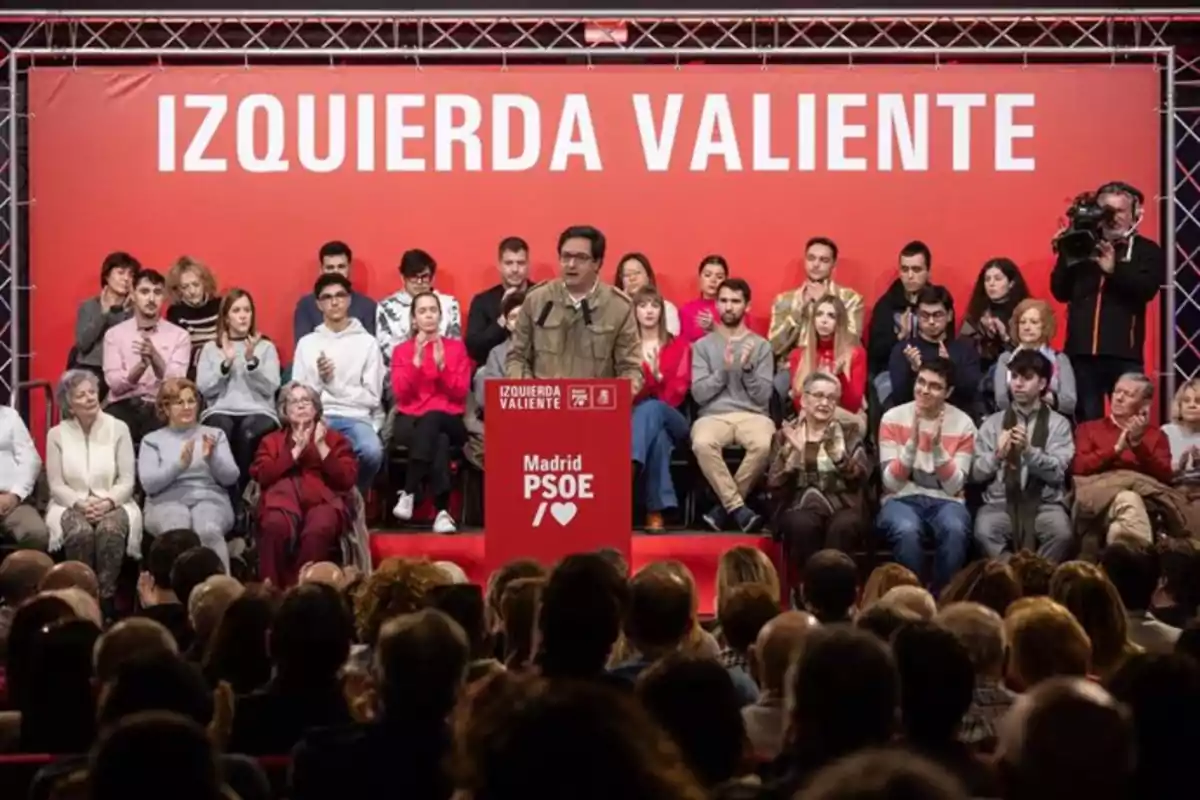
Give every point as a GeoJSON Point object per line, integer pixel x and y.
{"type": "Point", "coordinates": [1125, 440]}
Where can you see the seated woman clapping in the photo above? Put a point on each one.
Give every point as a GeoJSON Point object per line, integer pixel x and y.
{"type": "Point", "coordinates": [305, 474]}
{"type": "Point", "coordinates": [657, 423]}
{"type": "Point", "coordinates": [1032, 327]}
{"type": "Point", "coordinates": [185, 469]}
{"type": "Point", "coordinates": [239, 376]}
{"type": "Point", "coordinates": [92, 515]}
{"type": "Point", "coordinates": [820, 468]}
{"type": "Point", "coordinates": [833, 349]}
{"type": "Point", "coordinates": [431, 375]}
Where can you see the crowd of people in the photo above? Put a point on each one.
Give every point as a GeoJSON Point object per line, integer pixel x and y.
{"type": "Point", "coordinates": [1023, 680]}
{"type": "Point", "coordinates": [1064, 662]}
{"type": "Point", "coordinates": [987, 438]}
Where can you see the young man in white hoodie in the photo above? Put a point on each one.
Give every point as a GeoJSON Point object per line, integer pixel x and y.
{"type": "Point", "coordinates": [341, 360]}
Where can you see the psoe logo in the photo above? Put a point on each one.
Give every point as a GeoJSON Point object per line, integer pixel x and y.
{"type": "Point", "coordinates": [558, 484]}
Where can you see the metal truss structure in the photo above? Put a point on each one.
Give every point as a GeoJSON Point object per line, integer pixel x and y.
{"type": "Point", "coordinates": [1170, 39]}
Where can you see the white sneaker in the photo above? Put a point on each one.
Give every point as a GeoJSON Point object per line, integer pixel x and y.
{"type": "Point", "coordinates": [404, 507]}
{"type": "Point", "coordinates": [444, 523]}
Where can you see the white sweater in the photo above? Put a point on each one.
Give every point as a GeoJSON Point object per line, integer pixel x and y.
{"type": "Point", "coordinates": [94, 464]}
{"type": "Point", "coordinates": [20, 463]}
{"type": "Point", "coordinates": [356, 389]}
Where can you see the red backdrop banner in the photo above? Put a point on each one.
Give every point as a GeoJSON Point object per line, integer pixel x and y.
{"type": "Point", "coordinates": [566, 489]}
{"type": "Point", "coordinates": [251, 170]}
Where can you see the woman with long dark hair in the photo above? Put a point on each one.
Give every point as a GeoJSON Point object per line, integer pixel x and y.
{"type": "Point", "coordinates": [698, 318]}
{"type": "Point", "coordinates": [998, 289]}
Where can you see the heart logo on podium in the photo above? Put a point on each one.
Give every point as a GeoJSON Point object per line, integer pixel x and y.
{"type": "Point", "coordinates": [563, 513]}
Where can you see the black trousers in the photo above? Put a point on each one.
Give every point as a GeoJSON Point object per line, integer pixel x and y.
{"type": "Point", "coordinates": [1095, 377]}
{"type": "Point", "coordinates": [244, 432]}
{"type": "Point", "coordinates": [807, 530]}
{"type": "Point", "coordinates": [140, 415]}
{"type": "Point", "coordinates": [429, 439]}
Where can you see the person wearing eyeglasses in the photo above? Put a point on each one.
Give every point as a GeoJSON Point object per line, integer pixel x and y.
{"type": "Point", "coordinates": [185, 469]}
{"type": "Point", "coordinates": [933, 339]}
{"type": "Point", "coordinates": [334, 258]}
{"type": "Point", "coordinates": [394, 315]}
{"type": "Point", "coordinates": [821, 467]}
{"type": "Point", "coordinates": [341, 360]}
{"type": "Point", "coordinates": [576, 326]}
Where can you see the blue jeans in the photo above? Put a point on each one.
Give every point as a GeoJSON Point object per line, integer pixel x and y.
{"type": "Point", "coordinates": [904, 521]}
{"type": "Point", "coordinates": [366, 445]}
{"type": "Point", "coordinates": [656, 429]}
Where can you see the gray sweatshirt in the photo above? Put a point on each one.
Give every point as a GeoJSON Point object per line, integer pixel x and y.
{"type": "Point", "coordinates": [241, 391]}
{"type": "Point", "coordinates": [166, 480]}
{"type": "Point", "coordinates": [718, 390]}
{"type": "Point", "coordinates": [1049, 464]}
{"type": "Point", "coordinates": [91, 323]}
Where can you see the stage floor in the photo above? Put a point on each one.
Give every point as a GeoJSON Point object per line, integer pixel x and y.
{"type": "Point", "coordinates": [700, 551]}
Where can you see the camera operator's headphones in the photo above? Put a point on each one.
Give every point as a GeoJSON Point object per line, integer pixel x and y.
{"type": "Point", "coordinates": [1139, 199]}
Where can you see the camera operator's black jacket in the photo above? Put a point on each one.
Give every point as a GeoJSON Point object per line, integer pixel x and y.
{"type": "Point", "coordinates": [1106, 314]}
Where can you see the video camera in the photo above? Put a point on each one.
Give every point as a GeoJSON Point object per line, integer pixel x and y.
{"type": "Point", "coordinates": [1087, 221]}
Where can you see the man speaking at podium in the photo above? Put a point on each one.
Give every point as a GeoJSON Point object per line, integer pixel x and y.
{"type": "Point", "coordinates": [576, 326]}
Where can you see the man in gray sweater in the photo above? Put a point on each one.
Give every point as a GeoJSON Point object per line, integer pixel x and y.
{"type": "Point", "coordinates": [732, 371]}
{"type": "Point", "coordinates": [1023, 453]}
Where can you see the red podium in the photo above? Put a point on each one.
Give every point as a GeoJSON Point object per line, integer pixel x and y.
{"type": "Point", "coordinates": [557, 476]}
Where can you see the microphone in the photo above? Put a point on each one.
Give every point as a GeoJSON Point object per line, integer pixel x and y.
{"type": "Point", "coordinates": [541, 320]}
{"type": "Point", "coordinates": [587, 313]}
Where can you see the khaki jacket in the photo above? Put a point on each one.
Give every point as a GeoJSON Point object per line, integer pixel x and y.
{"type": "Point", "coordinates": [790, 318]}
{"type": "Point", "coordinates": [554, 340]}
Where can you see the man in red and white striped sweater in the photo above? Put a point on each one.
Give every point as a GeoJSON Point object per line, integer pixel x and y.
{"type": "Point", "coordinates": [925, 450]}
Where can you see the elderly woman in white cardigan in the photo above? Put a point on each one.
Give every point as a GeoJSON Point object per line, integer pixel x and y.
{"type": "Point", "coordinates": [90, 467]}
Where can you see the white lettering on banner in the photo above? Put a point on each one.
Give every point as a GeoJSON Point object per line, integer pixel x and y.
{"type": "Point", "coordinates": [247, 153]}
{"type": "Point", "coordinates": [503, 159]}
{"type": "Point", "coordinates": [472, 134]}
{"type": "Point", "coordinates": [657, 149]}
{"type": "Point", "coordinates": [308, 134]}
{"type": "Point", "coordinates": [576, 116]}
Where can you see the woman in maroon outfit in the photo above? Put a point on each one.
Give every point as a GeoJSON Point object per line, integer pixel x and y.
{"type": "Point", "coordinates": [306, 474]}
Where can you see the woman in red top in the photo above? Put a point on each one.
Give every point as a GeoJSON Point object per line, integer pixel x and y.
{"type": "Point", "coordinates": [306, 474]}
{"type": "Point", "coordinates": [832, 348]}
{"type": "Point", "coordinates": [657, 423]}
{"type": "Point", "coordinates": [431, 375]}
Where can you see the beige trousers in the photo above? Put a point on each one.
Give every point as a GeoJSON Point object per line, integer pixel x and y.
{"type": "Point", "coordinates": [1127, 516]}
{"type": "Point", "coordinates": [752, 432]}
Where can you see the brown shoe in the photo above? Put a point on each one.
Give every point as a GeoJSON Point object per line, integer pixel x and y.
{"type": "Point", "coordinates": [654, 522]}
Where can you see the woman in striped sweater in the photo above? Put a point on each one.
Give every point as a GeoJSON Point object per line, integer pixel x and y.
{"type": "Point", "coordinates": [195, 305]}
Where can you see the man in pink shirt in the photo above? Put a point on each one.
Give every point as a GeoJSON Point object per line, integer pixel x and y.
{"type": "Point", "coordinates": [140, 353]}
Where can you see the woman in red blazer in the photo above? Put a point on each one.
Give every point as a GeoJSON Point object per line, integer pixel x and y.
{"type": "Point", "coordinates": [431, 375]}
{"type": "Point", "coordinates": [657, 424]}
{"type": "Point", "coordinates": [306, 474]}
{"type": "Point", "coordinates": [832, 348]}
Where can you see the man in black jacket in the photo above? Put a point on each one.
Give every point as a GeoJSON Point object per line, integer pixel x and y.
{"type": "Point", "coordinates": [485, 323]}
{"type": "Point", "coordinates": [1106, 297]}
{"type": "Point", "coordinates": [894, 315]}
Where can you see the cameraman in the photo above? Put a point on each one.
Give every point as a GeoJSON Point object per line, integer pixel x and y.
{"type": "Point", "coordinates": [1106, 296]}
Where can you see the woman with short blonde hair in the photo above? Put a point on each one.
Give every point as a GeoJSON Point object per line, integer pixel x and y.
{"type": "Point", "coordinates": [1032, 327]}
{"type": "Point", "coordinates": [185, 469]}
{"type": "Point", "coordinates": [1183, 434]}
{"type": "Point", "coordinates": [195, 305]}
